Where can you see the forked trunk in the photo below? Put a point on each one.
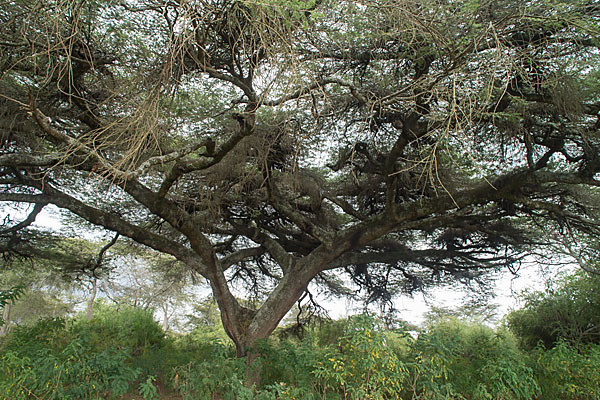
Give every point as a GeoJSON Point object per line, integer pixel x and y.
{"type": "Point", "coordinates": [245, 326]}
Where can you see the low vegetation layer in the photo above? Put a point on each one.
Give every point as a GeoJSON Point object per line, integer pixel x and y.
{"type": "Point", "coordinates": [124, 353]}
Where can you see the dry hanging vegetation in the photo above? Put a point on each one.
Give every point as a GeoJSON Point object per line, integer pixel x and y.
{"type": "Point", "coordinates": [283, 142]}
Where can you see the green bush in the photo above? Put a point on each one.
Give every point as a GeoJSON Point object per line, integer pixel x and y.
{"type": "Point", "coordinates": [457, 360]}
{"type": "Point", "coordinates": [568, 311]}
{"type": "Point", "coordinates": [221, 374]}
{"type": "Point", "coordinates": [45, 333]}
{"type": "Point", "coordinates": [290, 362]}
{"type": "Point", "coordinates": [130, 328]}
{"type": "Point", "coordinates": [565, 373]}
{"type": "Point", "coordinates": [122, 351]}
{"type": "Point", "coordinates": [82, 359]}
{"type": "Point", "coordinates": [362, 366]}
{"type": "Point", "coordinates": [48, 361]}
{"type": "Point", "coordinates": [329, 333]}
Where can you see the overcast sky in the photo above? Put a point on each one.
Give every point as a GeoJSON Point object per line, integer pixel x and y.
{"type": "Point", "coordinates": [412, 309]}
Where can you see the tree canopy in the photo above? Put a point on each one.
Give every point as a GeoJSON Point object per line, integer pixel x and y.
{"type": "Point", "coordinates": [279, 142]}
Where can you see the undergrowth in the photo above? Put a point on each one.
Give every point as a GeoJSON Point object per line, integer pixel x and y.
{"type": "Point", "coordinates": [125, 352]}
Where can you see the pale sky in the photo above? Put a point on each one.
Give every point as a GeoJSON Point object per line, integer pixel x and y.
{"type": "Point", "coordinates": [411, 309]}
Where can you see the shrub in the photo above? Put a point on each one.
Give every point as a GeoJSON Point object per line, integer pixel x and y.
{"type": "Point", "coordinates": [569, 311]}
{"type": "Point", "coordinates": [290, 362]}
{"type": "Point", "coordinates": [565, 373]}
{"type": "Point", "coordinates": [47, 361]}
{"type": "Point", "coordinates": [362, 366]}
{"type": "Point", "coordinates": [45, 333]}
{"type": "Point", "coordinates": [221, 374]}
{"type": "Point", "coordinates": [130, 328]}
{"type": "Point", "coordinates": [329, 333]}
{"type": "Point", "coordinates": [461, 360]}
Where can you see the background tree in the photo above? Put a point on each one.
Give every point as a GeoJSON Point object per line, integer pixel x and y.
{"type": "Point", "coordinates": [40, 296]}
{"type": "Point", "coordinates": [470, 311]}
{"type": "Point", "coordinates": [53, 266]}
{"type": "Point", "coordinates": [280, 143]}
{"type": "Point", "coordinates": [54, 270]}
{"type": "Point", "coordinates": [92, 268]}
{"type": "Point", "coordinates": [568, 310]}
{"type": "Point", "coordinates": [150, 281]}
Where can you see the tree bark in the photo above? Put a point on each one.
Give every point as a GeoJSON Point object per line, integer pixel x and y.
{"type": "Point", "coordinates": [245, 326]}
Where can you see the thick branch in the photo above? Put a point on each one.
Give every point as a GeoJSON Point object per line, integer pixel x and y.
{"type": "Point", "coordinates": [29, 160]}
{"type": "Point", "coordinates": [186, 166]}
{"type": "Point", "coordinates": [172, 156]}
{"type": "Point", "coordinates": [109, 221]}
{"type": "Point", "coordinates": [37, 208]}
{"type": "Point", "coordinates": [279, 254]}
{"type": "Point", "coordinates": [240, 256]}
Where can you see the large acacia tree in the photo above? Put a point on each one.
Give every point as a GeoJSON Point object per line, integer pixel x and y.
{"type": "Point", "coordinates": [284, 141]}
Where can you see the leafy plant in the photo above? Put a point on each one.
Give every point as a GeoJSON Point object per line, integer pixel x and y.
{"type": "Point", "coordinates": [567, 311]}
{"type": "Point", "coordinates": [288, 366]}
{"type": "Point", "coordinates": [457, 360]}
{"type": "Point", "coordinates": [66, 359]}
{"type": "Point", "coordinates": [147, 388]}
{"type": "Point", "coordinates": [9, 296]}
{"type": "Point", "coordinates": [218, 374]}
{"type": "Point", "coordinates": [75, 372]}
{"type": "Point", "coordinates": [362, 366]}
{"type": "Point", "coordinates": [565, 373]}
{"type": "Point", "coordinates": [130, 327]}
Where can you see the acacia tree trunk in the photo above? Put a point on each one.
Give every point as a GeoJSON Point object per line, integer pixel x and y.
{"type": "Point", "coordinates": [245, 326]}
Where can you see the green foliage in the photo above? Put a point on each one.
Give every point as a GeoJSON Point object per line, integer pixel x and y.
{"type": "Point", "coordinates": [570, 311]}
{"type": "Point", "coordinates": [430, 368]}
{"type": "Point", "coordinates": [49, 361]}
{"type": "Point", "coordinates": [289, 363]}
{"type": "Point", "coordinates": [9, 296]}
{"type": "Point", "coordinates": [461, 360]}
{"type": "Point", "coordinates": [330, 332]}
{"type": "Point", "coordinates": [45, 332]}
{"type": "Point", "coordinates": [129, 327]}
{"type": "Point", "coordinates": [147, 389]}
{"type": "Point", "coordinates": [205, 320]}
{"type": "Point", "coordinates": [362, 366]}
{"type": "Point", "coordinates": [220, 374]}
{"type": "Point", "coordinates": [82, 359]}
{"type": "Point", "coordinates": [38, 304]}
{"type": "Point", "coordinates": [66, 359]}
{"type": "Point", "coordinates": [565, 373]}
